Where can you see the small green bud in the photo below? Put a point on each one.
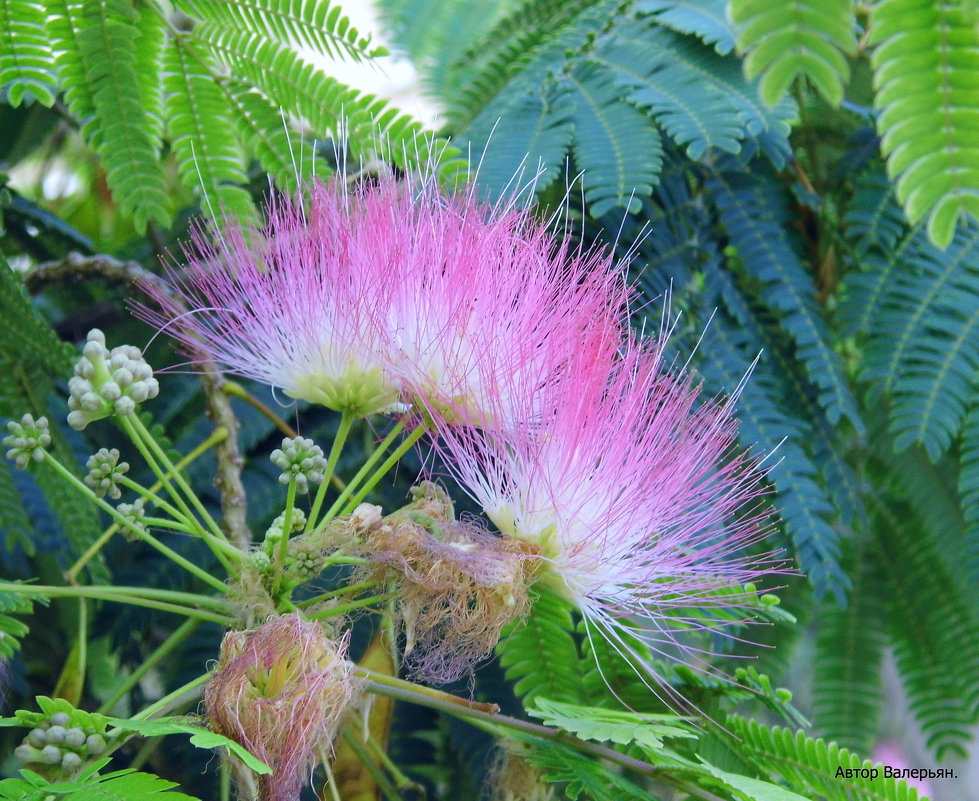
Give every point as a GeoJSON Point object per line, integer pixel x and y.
{"type": "Point", "coordinates": [59, 719]}
{"type": "Point", "coordinates": [75, 738]}
{"type": "Point", "coordinates": [300, 459]}
{"type": "Point", "coordinates": [56, 735]}
{"type": "Point", "coordinates": [104, 472]}
{"type": "Point", "coordinates": [50, 755]}
{"type": "Point", "coordinates": [27, 440]}
{"type": "Point", "coordinates": [261, 561]}
{"type": "Point", "coordinates": [27, 753]}
{"type": "Point", "coordinates": [134, 512]}
{"type": "Point", "coordinates": [38, 738]}
{"type": "Point", "coordinates": [783, 695]}
{"type": "Point", "coordinates": [108, 382]}
{"type": "Point", "coordinates": [770, 600]}
{"type": "Point", "coordinates": [71, 762]}
{"type": "Point", "coordinates": [95, 744]}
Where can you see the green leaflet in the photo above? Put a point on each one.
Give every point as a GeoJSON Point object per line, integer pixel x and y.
{"type": "Point", "coordinates": [926, 80]}
{"type": "Point", "coordinates": [808, 765]}
{"type": "Point", "coordinates": [540, 655]}
{"type": "Point", "coordinates": [26, 62]}
{"type": "Point", "coordinates": [611, 725]}
{"type": "Point", "coordinates": [796, 38]}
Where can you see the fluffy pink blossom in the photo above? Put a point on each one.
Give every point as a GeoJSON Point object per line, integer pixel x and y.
{"type": "Point", "coordinates": [358, 299]}
{"type": "Point", "coordinates": [281, 690]}
{"type": "Point", "coordinates": [631, 491]}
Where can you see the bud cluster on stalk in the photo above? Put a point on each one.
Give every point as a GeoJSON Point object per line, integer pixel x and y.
{"type": "Point", "coordinates": [62, 743]}
{"type": "Point", "coordinates": [108, 382]}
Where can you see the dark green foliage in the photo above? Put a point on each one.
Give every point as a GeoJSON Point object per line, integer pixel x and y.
{"type": "Point", "coordinates": [629, 75]}
{"type": "Point", "coordinates": [849, 653]}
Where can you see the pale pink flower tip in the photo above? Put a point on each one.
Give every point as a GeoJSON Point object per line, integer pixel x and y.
{"type": "Point", "coordinates": [391, 292]}
{"type": "Point", "coordinates": [632, 492]}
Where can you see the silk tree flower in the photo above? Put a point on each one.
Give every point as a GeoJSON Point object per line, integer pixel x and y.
{"type": "Point", "coordinates": [282, 691]}
{"type": "Point", "coordinates": [392, 291]}
{"type": "Point", "coordinates": [285, 304]}
{"type": "Point", "coordinates": [632, 493]}
{"type": "Point", "coordinates": [488, 299]}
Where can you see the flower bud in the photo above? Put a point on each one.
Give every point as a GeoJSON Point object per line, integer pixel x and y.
{"type": "Point", "coordinates": [280, 690]}
{"type": "Point", "coordinates": [27, 440]}
{"type": "Point", "coordinates": [104, 472]}
{"type": "Point", "coordinates": [300, 459]}
{"type": "Point", "coordinates": [108, 382]}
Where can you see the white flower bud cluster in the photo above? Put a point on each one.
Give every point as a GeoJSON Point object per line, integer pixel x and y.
{"type": "Point", "coordinates": [108, 382]}
{"type": "Point", "coordinates": [134, 512]}
{"type": "Point", "coordinates": [56, 742]}
{"type": "Point", "coordinates": [27, 440]}
{"type": "Point", "coordinates": [300, 459]}
{"type": "Point", "coordinates": [104, 472]}
{"type": "Point", "coordinates": [297, 523]}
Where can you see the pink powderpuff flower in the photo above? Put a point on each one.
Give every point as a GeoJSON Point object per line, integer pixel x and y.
{"type": "Point", "coordinates": [633, 494]}
{"type": "Point", "coordinates": [392, 291]}
{"type": "Point", "coordinates": [285, 304]}
{"type": "Point", "coordinates": [488, 300]}
{"type": "Point", "coordinates": [281, 690]}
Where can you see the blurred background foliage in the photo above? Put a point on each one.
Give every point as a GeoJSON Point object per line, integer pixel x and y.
{"type": "Point", "coordinates": [801, 176]}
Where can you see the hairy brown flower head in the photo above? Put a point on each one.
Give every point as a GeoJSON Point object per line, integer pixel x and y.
{"type": "Point", "coordinates": [281, 691]}
{"type": "Point", "coordinates": [458, 584]}
{"type": "Point", "coordinates": [511, 777]}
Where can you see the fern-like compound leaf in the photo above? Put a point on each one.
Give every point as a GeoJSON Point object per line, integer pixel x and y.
{"type": "Point", "coordinates": [616, 147]}
{"type": "Point", "coordinates": [917, 307]}
{"type": "Point", "coordinates": [540, 656]}
{"type": "Point", "coordinates": [706, 19]}
{"type": "Point", "coordinates": [198, 119]}
{"type": "Point", "coordinates": [969, 491]}
{"type": "Point", "coordinates": [756, 221]}
{"type": "Point", "coordinates": [849, 651]}
{"type": "Point", "coordinates": [119, 129]}
{"type": "Point", "coordinates": [26, 61]}
{"type": "Point", "coordinates": [926, 80]}
{"type": "Point", "coordinates": [534, 141]}
{"type": "Point", "coordinates": [809, 765]}
{"type": "Point", "coordinates": [319, 25]}
{"type": "Point", "coordinates": [805, 38]}
{"type": "Point", "coordinates": [643, 59]}
{"type": "Point", "coordinates": [287, 158]}
{"type": "Point", "coordinates": [934, 631]}
{"type": "Point", "coordinates": [149, 63]}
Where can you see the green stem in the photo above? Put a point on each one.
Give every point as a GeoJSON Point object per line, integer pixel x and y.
{"type": "Point", "coordinates": [346, 421]}
{"type": "Point", "coordinates": [350, 589]}
{"type": "Point", "coordinates": [219, 435]}
{"type": "Point", "coordinates": [162, 651]}
{"type": "Point", "coordinates": [364, 471]}
{"type": "Point", "coordinates": [189, 566]}
{"type": "Point", "coordinates": [154, 498]}
{"type": "Point", "coordinates": [174, 698]}
{"type": "Point", "coordinates": [488, 714]}
{"type": "Point", "coordinates": [82, 638]}
{"type": "Point", "coordinates": [109, 592]}
{"type": "Point", "coordinates": [282, 552]}
{"type": "Point", "coordinates": [178, 477]}
{"type": "Point", "coordinates": [341, 609]}
{"type": "Point", "coordinates": [76, 482]}
{"type": "Point", "coordinates": [392, 460]}
{"type": "Point", "coordinates": [135, 434]}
